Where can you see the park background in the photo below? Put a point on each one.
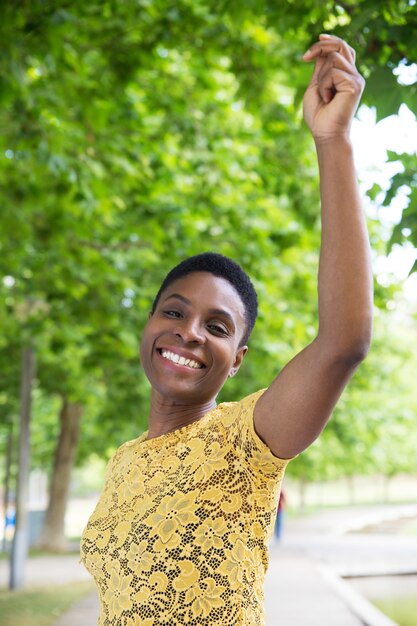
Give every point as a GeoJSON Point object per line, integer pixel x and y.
{"type": "Point", "coordinates": [136, 133]}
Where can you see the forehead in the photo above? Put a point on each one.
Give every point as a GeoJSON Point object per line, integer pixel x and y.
{"type": "Point", "coordinates": [208, 291]}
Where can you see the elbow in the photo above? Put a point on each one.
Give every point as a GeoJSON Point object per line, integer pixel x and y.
{"type": "Point", "coordinates": [349, 349]}
{"type": "Point", "coordinates": [356, 354]}
{"type": "Point", "coordinates": [356, 351]}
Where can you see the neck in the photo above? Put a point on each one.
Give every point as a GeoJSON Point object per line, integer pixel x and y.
{"type": "Point", "coordinates": [165, 416]}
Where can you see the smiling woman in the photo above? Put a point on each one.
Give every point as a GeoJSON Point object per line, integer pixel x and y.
{"type": "Point", "coordinates": [180, 534]}
{"type": "Point", "coordinates": [199, 318]}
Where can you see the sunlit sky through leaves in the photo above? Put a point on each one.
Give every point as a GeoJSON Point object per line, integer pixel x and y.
{"type": "Point", "coordinates": [371, 141]}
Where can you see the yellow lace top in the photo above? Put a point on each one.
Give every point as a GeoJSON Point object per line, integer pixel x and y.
{"type": "Point", "coordinates": [180, 533]}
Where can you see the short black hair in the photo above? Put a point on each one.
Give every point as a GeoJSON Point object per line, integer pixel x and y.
{"type": "Point", "coordinates": [223, 267]}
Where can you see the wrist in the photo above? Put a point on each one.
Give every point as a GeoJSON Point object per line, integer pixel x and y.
{"type": "Point", "coordinates": [336, 143]}
{"type": "Point", "coordinates": [338, 140]}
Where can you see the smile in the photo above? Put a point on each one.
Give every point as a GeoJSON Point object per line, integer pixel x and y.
{"type": "Point", "coordinates": [180, 360]}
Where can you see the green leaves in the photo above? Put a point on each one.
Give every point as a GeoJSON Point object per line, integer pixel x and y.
{"type": "Point", "coordinates": [137, 133]}
{"type": "Point", "coordinates": [384, 92]}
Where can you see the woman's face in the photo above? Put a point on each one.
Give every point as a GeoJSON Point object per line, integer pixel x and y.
{"type": "Point", "coordinates": [190, 345]}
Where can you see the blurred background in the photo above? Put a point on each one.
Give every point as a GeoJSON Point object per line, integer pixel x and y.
{"type": "Point", "coordinates": [134, 134]}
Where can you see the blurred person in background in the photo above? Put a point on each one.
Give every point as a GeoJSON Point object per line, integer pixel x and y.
{"type": "Point", "coordinates": [280, 516]}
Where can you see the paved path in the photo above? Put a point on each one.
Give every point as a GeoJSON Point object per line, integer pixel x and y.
{"type": "Point", "coordinates": [84, 613]}
{"type": "Point", "coordinates": [302, 585]}
{"type": "Point", "coordinates": [329, 537]}
{"type": "Point", "coordinates": [297, 594]}
{"type": "Point", "coordinates": [48, 570]}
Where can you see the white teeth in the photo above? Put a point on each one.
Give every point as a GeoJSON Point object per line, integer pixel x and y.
{"type": "Point", "coordinates": [171, 356]}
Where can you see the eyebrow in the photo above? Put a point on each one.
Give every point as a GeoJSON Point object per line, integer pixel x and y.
{"type": "Point", "coordinates": [222, 312]}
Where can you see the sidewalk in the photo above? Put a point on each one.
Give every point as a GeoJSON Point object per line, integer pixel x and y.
{"type": "Point", "coordinates": [84, 613]}
{"type": "Point", "coordinates": [47, 571]}
{"type": "Point", "coordinates": [300, 592]}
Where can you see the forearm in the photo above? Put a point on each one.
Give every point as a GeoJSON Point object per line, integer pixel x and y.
{"type": "Point", "coordinates": [345, 276]}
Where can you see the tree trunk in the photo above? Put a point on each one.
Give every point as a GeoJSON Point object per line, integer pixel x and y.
{"type": "Point", "coordinates": [21, 536]}
{"type": "Point", "coordinates": [53, 531]}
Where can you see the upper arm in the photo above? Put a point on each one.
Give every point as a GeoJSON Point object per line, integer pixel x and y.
{"type": "Point", "coordinates": [294, 409]}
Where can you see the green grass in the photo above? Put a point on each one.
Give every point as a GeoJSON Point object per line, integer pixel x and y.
{"type": "Point", "coordinates": [402, 610]}
{"type": "Point", "coordinates": [39, 607]}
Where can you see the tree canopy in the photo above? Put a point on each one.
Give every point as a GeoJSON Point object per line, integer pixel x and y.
{"type": "Point", "coordinates": [136, 133]}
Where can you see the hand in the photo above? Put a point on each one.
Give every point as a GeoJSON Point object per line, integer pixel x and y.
{"type": "Point", "coordinates": [335, 89]}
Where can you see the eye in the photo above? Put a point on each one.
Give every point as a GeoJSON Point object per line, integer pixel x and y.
{"type": "Point", "coordinates": [172, 313]}
{"type": "Point", "coordinates": [218, 329]}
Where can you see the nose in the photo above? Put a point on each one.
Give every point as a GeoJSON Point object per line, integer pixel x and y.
{"type": "Point", "coordinates": [190, 331]}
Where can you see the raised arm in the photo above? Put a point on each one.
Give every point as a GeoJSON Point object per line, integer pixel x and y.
{"type": "Point", "coordinates": [298, 403]}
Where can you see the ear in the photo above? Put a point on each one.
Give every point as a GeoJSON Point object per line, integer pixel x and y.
{"type": "Point", "coordinates": [240, 355]}
{"type": "Point", "coordinates": [150, 315]}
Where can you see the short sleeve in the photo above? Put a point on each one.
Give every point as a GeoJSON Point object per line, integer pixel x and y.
{"type": "Point", "coordinates": [244, 438]}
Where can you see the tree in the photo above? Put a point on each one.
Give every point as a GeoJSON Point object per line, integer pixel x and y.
{"type": "Point", "coordinates": [52, 536]}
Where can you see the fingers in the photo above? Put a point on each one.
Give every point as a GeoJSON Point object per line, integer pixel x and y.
{"type": "Point", "coordinates": [337, 81]}
{"type": "Point", "coordinates": [336, 74]}
{"type": "Point", "coordinates": [332, 60]}
{"type": "Point", "coordinates": [335, 69]}
{"type": "Point", "coordinates": [333, 94]}
{"type": "Point", "coordinates": [328, 44]}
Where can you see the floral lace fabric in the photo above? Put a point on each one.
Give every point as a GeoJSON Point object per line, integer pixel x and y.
{"type": "Point", "coordinates": [180, 533]}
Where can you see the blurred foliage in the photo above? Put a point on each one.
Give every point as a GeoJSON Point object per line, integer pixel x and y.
{"type": "Point", "coordinates": [137, 133]}
{"type": "Point", "coordinates": [372, 429]}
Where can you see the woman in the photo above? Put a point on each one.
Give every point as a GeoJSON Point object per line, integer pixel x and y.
{"type": "Point", "coordinates": [180, 533]}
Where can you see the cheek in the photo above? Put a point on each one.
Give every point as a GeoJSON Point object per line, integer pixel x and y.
{"type": "Point", "coordinates": [226, 358]}
{"type": "Point", "coordinates": [142, 355]}
{"type": "Point", "coordinates": [145, 344]}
